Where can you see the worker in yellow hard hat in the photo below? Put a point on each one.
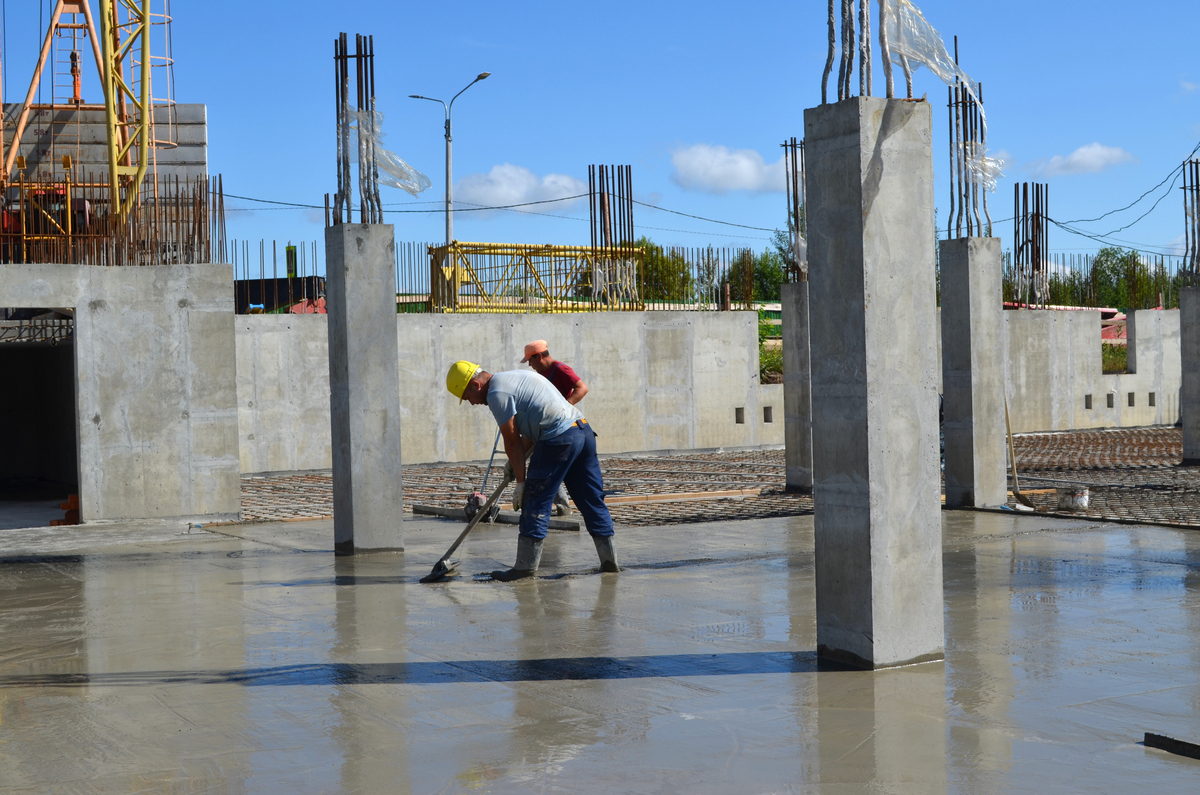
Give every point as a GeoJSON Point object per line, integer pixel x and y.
{"type": "Point", "coordinates": [531, 413]}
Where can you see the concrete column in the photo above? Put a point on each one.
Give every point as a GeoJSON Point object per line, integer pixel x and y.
{"type": "Point", "coordinates": [364, 388]}
{"type": "Point", "coordinates": [874, 382]}
{"type": "Point", "coordinates": [1189, 354]}
{"type": "Point", "coordinates": [797, 389]}
{"type": "Point", "coordinates": [973, 372]}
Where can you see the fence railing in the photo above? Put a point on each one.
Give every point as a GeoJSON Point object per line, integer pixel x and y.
{"type": "Point", "coordinates": [271, 276]}
{"type": "Point", "coordinates": [491, 277]}
{"type": "Point", "coordinates": [1123, 281]}
{"type": "Point", "coordinates": [276, 278]}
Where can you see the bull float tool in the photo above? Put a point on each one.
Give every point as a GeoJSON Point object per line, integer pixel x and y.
{"type": "Point", "coordinates": [447, 567]}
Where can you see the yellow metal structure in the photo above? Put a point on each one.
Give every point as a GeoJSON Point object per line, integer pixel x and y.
{"type": "Point", "coordinates": [504, 277]}
{"type": "Point", "coordinates": [125, 30]}
{"type": "Point", "coordinates": [121, 48]}
{"type": "Point", "coordinates": [76, 9]}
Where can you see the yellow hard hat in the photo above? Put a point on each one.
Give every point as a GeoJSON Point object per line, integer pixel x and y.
{"type": "Point", "coordinates": [459, 376]}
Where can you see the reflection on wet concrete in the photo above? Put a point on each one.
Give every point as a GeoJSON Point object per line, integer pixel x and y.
{"type": "Point", "coordinates": [363, 617]}
{"type": "Point", "coordinates": [254, 661]}
{"type": "Point", "coordinates": [883, 726]}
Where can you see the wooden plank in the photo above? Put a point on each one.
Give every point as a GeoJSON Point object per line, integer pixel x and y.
{"type": "Point", "coordinates": [503, 518]}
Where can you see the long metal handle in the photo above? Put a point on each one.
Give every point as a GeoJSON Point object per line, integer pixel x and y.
{"type": "Point", "coordinates": [495, 444]}
{"type": "Point", "coordinates": [482, 512]}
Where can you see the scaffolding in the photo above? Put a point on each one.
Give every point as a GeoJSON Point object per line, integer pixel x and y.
{"type": "Point", "coordinates": [78, 180]}
{"type": "Point", "coordinates": [504, 277]}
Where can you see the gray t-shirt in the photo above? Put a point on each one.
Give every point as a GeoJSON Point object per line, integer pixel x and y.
{"type": "Point", "coordinates": [541, 412]}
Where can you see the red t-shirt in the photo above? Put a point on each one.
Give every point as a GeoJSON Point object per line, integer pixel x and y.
{"type": "Point", "coordinates": [563, 378]}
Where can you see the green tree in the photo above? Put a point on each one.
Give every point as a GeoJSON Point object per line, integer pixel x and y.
{"type": "Point", "coordinates": [763, 274]}
{"type": "Point", "coordinates": [665, 274]}
{"type": "Point", "coordinates": [1117, 275]}
{"type": "Point", "coordinates": [769, 274]}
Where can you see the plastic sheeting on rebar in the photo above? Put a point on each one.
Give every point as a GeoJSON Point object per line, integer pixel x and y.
{"type": "Point", "coordinates": [911, 36]}
{"type": "Point", "coordinates": [397, 173]}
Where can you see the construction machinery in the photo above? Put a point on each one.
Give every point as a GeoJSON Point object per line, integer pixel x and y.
{"type": "Point", "coordinates": [79, 173]}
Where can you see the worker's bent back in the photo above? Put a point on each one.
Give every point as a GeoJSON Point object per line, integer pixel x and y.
{"type": "Point", "coordinates": [540, 411]}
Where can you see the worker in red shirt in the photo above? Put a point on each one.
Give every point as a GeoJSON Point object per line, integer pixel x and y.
{"type": "Point", "coordinates": [568, 383]}
{"type": "Point", "coordinates": [565, 380]}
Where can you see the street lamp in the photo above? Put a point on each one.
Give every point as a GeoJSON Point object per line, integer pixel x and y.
{"type": "Point", "coordinates": [449, 195]}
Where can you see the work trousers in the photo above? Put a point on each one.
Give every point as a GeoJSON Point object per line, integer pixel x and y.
{"type": "Point", "coordinates": [569, 458]}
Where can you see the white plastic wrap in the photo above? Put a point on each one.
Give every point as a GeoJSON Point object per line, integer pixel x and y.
{"type": "Point", "coordinates": [397, 173]}
{"type": "Point", "coordinates": [987, 170]}
{"type": "Point", "coordinates": [910, 37]}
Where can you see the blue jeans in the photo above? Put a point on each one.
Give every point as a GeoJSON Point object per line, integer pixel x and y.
{"type": "Point", "coordinates": [569, 458]}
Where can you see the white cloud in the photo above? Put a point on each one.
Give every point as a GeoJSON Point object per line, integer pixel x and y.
{"type": "Point", "coordinates": [1188, 87]}
{"type": "Point", "coordinates": [1177, 246]}
{"type": "Point", "coordinates": [1089, 159]}
{"type": "Point", "coordinates": [719, 169]}
{"type": "Point", "coordinates": [509, 184]}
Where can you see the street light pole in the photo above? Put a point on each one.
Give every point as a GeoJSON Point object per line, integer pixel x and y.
{"type": "Point", "coordinates": [449, 184]}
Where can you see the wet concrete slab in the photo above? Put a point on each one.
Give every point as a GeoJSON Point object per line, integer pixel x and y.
{"type": "Point", "coordinates": [246, 658]}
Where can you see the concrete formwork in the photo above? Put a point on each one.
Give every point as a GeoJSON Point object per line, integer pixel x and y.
{"type": "Point", "coordinates": [797, 388]}
{"type": "Point", "coordinates": [874, 382]}
{"type": "Point", "coordinates": [973, 359]}
{"type": "Point", "coordinates": [1189, 338]}
{"type": "Point", "coordinates": [156, 397]}
{"type": "Point", "coordinates": [364, 388]}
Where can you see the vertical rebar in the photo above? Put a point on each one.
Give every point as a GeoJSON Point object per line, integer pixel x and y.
{"type": "Point", "coordinates": [950, 145]}
{"type": "Point", "coordinates": [828, 57]}
{"type": "Point", "coordinates": [983, 147]}
{"type": "Point", "coordinates": [973, 166]}
{"type": "Point", "coordinates": [885, 50]}
{"type": "Point", "coordinates": [958, 165]}
{"type": "Point", "coordinates": [864, 48]}
{"type": "Point", "coordinates": [845, 64]}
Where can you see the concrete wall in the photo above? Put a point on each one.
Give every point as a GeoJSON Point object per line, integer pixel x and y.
{"type": "Point", "coordinates": [84, 136]}
{"type": "Point", "coordinates": [659, 381]}
{"type": "Point", "coordinates": [690, 370]}
{"type": "Point", "coordinates": [1054, 363]}
{"type": "Point", "coordinates": [156, 397]}
{"type": "Point", "coordinates": [283, 392]}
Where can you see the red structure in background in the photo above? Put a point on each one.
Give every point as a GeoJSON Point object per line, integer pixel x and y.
{"type": "Point", "coordinates": [309, 306]}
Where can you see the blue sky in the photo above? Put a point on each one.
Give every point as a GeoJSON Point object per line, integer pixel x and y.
{"type": "Point", "coordinates": [1099, 99]}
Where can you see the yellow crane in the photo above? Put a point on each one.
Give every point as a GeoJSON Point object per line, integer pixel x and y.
{"type": "Point", "coordinates": [122, 53]}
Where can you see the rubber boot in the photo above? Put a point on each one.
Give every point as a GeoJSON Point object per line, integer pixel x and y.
{"type": "Point", "coordinates": [529, 556]}
{"type": "Point", "coordinates": [607, 553]}
{"type": "Point", "coordinates": [561, 506]}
